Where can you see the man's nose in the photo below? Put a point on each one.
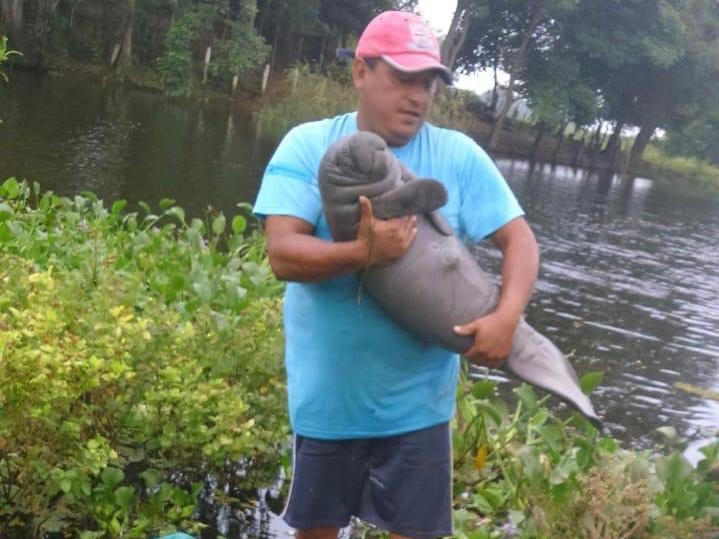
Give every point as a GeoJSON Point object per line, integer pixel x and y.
{"type": "Point", "coordinates": [419, 92]}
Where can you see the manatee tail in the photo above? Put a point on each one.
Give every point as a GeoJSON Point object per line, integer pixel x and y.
{"type": "Point", "coordinates": [537, 361]}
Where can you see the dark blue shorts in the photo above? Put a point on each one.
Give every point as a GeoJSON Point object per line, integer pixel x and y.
{"type": "Point", "coordinates": [402, 483]}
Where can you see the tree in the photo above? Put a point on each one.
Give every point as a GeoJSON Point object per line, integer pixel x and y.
{"type": "Point", "coordinates": [652, 62]}
{"type": "Point", "coordinates": [505, 34]}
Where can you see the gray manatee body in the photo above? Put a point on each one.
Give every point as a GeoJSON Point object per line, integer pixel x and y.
{"type": "Point", "coordinates": [437, 284]}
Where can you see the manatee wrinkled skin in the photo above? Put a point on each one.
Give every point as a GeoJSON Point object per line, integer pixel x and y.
{"type": "Point", "coordinates": [437, 284]}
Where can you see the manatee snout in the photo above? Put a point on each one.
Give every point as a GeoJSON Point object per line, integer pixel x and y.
{"type": "Point", "coordinates": [368, 155]}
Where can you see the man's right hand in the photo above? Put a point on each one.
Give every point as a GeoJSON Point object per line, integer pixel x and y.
{"type": "Point", "coordinates": [384, 240]}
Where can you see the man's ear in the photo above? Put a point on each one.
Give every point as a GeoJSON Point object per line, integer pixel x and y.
{"type": "Point", "coordinates": [359, 71]}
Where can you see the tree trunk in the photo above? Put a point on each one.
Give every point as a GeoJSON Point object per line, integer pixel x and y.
{"type": "Point", "coordinates": [45, 10]}
{"type": "Point", "coordinates": [13, 27]}
{"type": "Point", "coordinates": [614, 139]}
{"type": "Point", "coordinates": [613, 145]}
{"type": "Point", "coordinates": [516, 64]}
{"type": "Point", "coordinates": [640, 144]}
{"type": "Point", "coordinates": [594, 145]}
{"type": "Point", "coordinates": [457, 33]}
{"type": "Point", "coordinates": [535, 147]}
{"type": "Point", "coordinates": [495, 90]}
{"type": "Point", "coordinates": [125, 62]}
{"type": "Point", "coordinates": [560, 140]}
{"type": "Point", "coordinates": [11, 11]}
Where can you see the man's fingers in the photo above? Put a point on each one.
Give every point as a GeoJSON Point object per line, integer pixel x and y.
{"type": "Point", "coordinates": [467, 329]}
{"type": "Point", "coordinates": [365, 208]}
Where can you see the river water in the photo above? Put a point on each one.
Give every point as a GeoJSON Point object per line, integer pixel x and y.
{"type": "Point", "coordinates": [629, 280]}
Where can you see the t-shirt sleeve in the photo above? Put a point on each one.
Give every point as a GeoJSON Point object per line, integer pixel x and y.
{"type": "Point", "coordinates": [487, 202]}
{"type": "Point", "coordinates": [289, 185]}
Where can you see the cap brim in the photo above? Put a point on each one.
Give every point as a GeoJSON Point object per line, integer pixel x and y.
{"type": "Point", "coordinates": [416, 63]}
{"type": "Point", "coordinates": [345, 53]}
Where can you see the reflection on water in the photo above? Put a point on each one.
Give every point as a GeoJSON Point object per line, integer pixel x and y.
{"type": "Point", "coordinates": [629, 283]}
{"type": "Point", "coordinates": [629, 280]}
{"type": "Point", "coordinates": [73, 135]}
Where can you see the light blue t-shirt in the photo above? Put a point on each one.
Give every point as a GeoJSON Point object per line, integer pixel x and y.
{"type": "Point", "coordinates": [351, 371]}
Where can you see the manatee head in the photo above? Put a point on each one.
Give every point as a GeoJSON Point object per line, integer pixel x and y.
{"type": "Point", "coordinates": [365, 158]}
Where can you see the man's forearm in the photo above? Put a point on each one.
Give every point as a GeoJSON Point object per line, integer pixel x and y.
{"type": "Point", "coordinates": [305, 258]}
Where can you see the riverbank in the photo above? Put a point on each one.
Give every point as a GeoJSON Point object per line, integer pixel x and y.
{"type": "Point", "coordinates": [296, 95]}
{"type": "Point", "coordinates": [142, 392]}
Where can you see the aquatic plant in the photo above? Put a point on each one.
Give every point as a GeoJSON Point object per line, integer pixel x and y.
{"type": "Point", "coordinates": [4, 55]}
{"type": "Point", "coordinates": [531, 474]}
{"type": "Point", "coordinates": [140, 357]}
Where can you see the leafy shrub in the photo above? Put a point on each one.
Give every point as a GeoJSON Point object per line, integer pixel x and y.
{"type": "Point", "coordinates": [313, 96]}
{"type": "Point", "coordinates": [138, 360]}
{"type": "Point", "coordinates": [309, 96]}
{"type": "Point", "coordinates": [530, 474]}
{"type": "Point", "coordinates": [4, 55]}
{"type": "Point", "coordinates": [175, 64]}
{"type": "Point", "coordinates": [673, 168]}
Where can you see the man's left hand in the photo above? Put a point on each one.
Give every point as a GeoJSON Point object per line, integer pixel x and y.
{"type": "Point", "coordinates": [492, 338]}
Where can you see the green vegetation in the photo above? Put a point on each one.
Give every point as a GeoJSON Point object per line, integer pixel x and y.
{"type": "Point", "coordinates": [677, 167]}
{"type": "Point", "coordinates": [526, 473]}
{"type": "Point", "coordinates": [309, 96]}
{"type": "Point", "coordinates": [140, 356]}
{"type": "Point", "coordinates": [604, 65]}
{"type": "Point", "coordinates": [4, 55]}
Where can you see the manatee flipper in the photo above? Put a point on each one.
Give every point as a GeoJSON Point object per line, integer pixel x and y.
{"type": "Point", "coordinates": [419, 196]}
{"type": "Point", "coordinates": [440, 224]}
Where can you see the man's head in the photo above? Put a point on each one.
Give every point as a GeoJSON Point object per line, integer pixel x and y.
{"type": "Point", "coordinates": [397, 62]}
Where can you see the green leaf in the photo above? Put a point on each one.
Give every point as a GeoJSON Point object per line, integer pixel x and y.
{"type": "Point", "coordinates": [218, 225]}
{"type": "Point", "coordinates": [6, 210]}
{"type": "Point", "coordinates": [590, 381]}
{"type": "Point", "coordinates": [239, 224]}
{"type": "Point", "coordinates": [118, 206]}
{"type": "Point", "coordinates": [145, 207]}
{"type": "Point", "coordinates": [561, 473]}
{"type": "Point", "coordinates": [11, 188]}
{"type": "Point", "coordinates": [528, 397]}
{"type": "Point", "coordinates": [483, 389]}
{"type": "Point", "coordinates": [151, 477]}
{"type": "Point", "coordinates": [203, 289]}
{"type": "Point", "coordinates": [674, 469]}
{"type": "Point", "coordinates": [490, 412]}
{"type": "Point", "coordinates": [112, 476]}
{"type": "Point", "coordinates": [124, 496]}
{"type": "Point", "coordinates": [166, 203]}
{"type": "Point", "coordinates": [177, 212]}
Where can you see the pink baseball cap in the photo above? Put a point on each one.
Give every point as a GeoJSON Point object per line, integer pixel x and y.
{"type": "Point", "coordinates": [403, 40]}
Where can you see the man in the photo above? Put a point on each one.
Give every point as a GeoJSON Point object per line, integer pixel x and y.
{"type": "Point", "coordinates": [369, 403]}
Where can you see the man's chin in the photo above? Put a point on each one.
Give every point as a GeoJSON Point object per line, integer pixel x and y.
{"type": "Point", "coordinates": [400, 138]}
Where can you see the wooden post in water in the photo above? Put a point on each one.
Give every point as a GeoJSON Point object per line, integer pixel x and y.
{"type": "Point", "coordinates": [295, 79]}
{"type": "Point", "coordinates": [265, 77]}
{"type": "Point", "coordinates": [208, 57]}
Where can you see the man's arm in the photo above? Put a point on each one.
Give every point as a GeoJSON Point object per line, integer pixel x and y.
{"type": "Point", "coordinates": [297, 255]}
{"type": "Point", "coordinates": [520, 264]}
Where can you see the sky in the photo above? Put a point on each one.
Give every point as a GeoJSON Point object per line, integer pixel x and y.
{"type": "Point", "coordinates": [439, 14]}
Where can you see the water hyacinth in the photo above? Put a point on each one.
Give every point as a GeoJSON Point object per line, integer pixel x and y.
{"type": "Point", "coordinates": [140, 355]}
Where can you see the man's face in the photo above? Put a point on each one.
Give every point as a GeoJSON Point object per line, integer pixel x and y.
{"type": "Point", "coordinates": [392, 104]}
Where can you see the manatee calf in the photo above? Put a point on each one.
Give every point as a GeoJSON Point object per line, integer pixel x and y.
{"type": "Point", "coordinates": [437, 284]}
